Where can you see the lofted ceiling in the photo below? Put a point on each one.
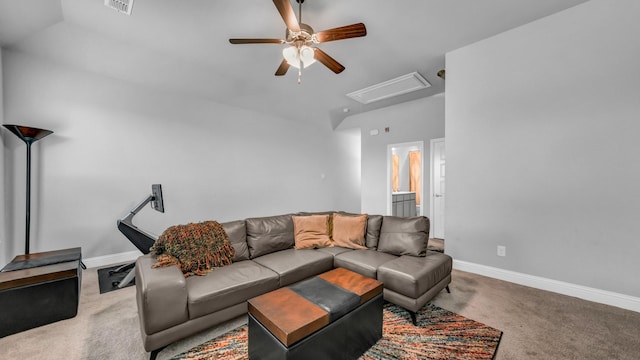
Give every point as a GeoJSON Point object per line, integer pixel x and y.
{"type": "Point", "coordinates": [182, 46]}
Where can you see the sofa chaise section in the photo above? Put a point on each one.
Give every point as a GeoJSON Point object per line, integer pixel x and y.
{"type": "Point", "coordinates": [411, 281]}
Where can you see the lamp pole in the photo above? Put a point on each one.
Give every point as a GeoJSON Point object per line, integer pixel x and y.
{"type": "Point", "coordinates": [27, 229]}
{"type": "Point", "coordinates": [29, 135]}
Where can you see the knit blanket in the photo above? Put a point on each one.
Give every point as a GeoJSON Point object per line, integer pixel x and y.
{"type": "Point", "coordinates": [196, 248]}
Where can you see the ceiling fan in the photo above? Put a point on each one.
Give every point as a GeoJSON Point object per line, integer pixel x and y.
{"type": "Point", "coordinates": [302, 39]}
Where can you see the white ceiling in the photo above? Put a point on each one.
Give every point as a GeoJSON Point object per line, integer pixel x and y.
{"type": "Point", "coordinates": [182, 46]}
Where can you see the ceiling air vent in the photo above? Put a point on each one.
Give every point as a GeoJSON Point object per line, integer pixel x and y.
{"type": "Point", "coordinates": [394, 87]}
{"type": "Point", "coordinates": [123, 6]}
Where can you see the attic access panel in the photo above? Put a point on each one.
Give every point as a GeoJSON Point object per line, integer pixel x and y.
{"type": "Point", "coordinates": [394, 87]}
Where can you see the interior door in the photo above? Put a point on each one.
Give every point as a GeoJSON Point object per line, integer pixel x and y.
{"type": "Point", "coordinates": [438, 173]}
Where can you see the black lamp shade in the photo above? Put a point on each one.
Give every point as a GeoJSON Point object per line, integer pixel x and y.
{"type": "Point", "coordinates": [28, 134]}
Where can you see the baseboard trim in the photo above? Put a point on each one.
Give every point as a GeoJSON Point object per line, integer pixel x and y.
{"type": "Point", "coordinates": [100, 261]}
{"type": "Point", "coordinates": [583, 292]}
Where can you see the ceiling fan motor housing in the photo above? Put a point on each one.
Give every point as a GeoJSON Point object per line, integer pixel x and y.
{"type": "Point", "coordinates": [305, 35]}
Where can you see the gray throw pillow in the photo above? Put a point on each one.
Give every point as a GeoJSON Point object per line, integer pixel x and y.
{"type": "Point", "coordinates": [404, 235]}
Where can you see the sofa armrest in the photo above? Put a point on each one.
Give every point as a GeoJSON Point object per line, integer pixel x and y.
{"type": "Point", "coordinates": [161, 294]}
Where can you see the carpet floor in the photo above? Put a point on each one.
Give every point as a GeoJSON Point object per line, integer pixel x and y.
{"type": "Point", "coordinates": [439, 334]}
{"type": "Point", "coordinates": [536, 324]}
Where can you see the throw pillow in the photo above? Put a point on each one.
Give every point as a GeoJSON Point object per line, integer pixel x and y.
{"type": "Point", "coordinates": [195, 248]}
{"type": "Point", "coordinates": [330, 231]}
{"type": "Point", "coordinates": [349, 231]}
{"type": "Point", "coordinates": [311, 232]}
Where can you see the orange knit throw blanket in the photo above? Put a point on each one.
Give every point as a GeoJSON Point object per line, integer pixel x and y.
{"type": "Point", "coordinates": [195, 248]}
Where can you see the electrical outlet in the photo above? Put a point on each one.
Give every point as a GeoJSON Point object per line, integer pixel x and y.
{"type": "Point", "coordinates": [502, 250]}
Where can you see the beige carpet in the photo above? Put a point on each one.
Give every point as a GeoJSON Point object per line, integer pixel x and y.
{"type": "Point", "coordinates": [536, 325]}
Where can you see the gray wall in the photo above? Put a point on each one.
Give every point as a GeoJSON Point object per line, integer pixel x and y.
{"type": "Point", "coordinates": [542, 148]}
{"type": "Point", "coordinates": [114, 139]}
{"type": "Point", "coordinates": [418, 120]}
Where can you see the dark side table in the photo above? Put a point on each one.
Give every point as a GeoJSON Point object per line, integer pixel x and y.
{"type": "Point", "coordinates": [38, 289]}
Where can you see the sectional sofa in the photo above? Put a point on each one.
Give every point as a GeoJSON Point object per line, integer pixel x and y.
{"type": "Point", "coordinates": [392, 250]}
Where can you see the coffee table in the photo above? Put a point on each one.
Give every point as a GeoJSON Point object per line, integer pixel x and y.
{"type": "Point", "coordinates": [335, 315]}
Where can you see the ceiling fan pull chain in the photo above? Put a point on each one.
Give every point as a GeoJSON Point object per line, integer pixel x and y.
{"type": "Point", "coordinates": [300, 72]}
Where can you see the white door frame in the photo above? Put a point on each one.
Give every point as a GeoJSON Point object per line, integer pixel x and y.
{"type": "Point", "coordinates": [420, 145]}
{"type": "Point", "coordinates": [431, 179]}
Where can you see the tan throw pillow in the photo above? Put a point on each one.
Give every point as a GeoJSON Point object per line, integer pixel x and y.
{"type": "Point", "coordinates": [311, 232]}
{"type": "Point", "coordinates": [349, 230]}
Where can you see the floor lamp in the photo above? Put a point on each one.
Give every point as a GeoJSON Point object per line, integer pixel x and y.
{"type": "Point", "coordinates": [29, 135]}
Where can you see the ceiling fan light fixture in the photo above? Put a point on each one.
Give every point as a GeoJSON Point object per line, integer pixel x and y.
{"type": "Point", "coordinates": [293, 55]}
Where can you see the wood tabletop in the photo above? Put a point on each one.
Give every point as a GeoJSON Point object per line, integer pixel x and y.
{"type": "Point", "coordinates": [45, 254]}
{"type": "Point", "coordinates": [358, 284]}
{"type": "Point", "coordinates": [12, 279]}
{"type": "Point", "coordinates": [290, 317]}
{"type": "Point", "coordinates": [40, 274]}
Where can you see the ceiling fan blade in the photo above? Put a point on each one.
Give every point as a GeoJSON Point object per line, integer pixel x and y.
{"type": "Point", "coordinates": [256, 41]}
{"type": "Point", "coordinates": [327, 60]}
{"type": "Point", "coordinates": [288, 15]}
{"type": "Point", "coordinates": [340, 33]}
{"type": "Point", "coordinates": [282, 69]}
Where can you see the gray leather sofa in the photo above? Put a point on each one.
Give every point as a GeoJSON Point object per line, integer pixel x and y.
{"type": "Point", "coordinates": [172, 307]}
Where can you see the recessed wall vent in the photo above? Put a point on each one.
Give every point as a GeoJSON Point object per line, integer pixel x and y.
{"type": "Point", "coordinates": [394, 87]}
{"type": "Point", "coordinates": [123, 6]}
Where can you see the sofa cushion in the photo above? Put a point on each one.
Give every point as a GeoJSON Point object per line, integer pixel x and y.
{"type": "Point", "coordinates": [363, 262]}
{"type": "Point", "coordinates": [311, 232]}
{"type": "Point", "coordinates": [269, 234]}
{"type": "Point", "coordinates": [295, 265]}
{"type": "Point", "coordinates": [237, 231]}
{"type": "Point", "coordinates": [228, 286]}
{"type": "Point", "coordinates": [404, 235]}
{"type": "Point", "coordinates": [349, 230]}
{"type": "Point", "coordinates": [374, 223]}
{"type": "Point", "coordinates": [412, 276]}
{"type": "Point", "coordinates": [334, 250]}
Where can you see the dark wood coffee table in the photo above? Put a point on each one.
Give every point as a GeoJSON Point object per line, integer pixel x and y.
{"type": "Point", "coordinates": [335, 315]}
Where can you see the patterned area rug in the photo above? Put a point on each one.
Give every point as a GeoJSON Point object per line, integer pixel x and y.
{"type": "Point", "coordinates": [440, 334]}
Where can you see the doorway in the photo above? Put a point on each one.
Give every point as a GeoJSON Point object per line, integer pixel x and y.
{"type": "Point", "coordinates": [437, 187]}
{"type": "Point", "coordinates": [405, 165]}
